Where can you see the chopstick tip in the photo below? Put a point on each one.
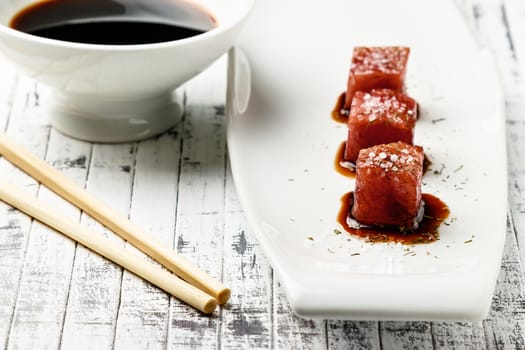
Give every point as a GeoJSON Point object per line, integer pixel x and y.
{"type": "Point", "coordinates": [209, 306]}
{"type": "Point", "coordinates": [223, 296]}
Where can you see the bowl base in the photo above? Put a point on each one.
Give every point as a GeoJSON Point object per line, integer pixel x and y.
{"type": "Point", "coordinates": [111, 121]}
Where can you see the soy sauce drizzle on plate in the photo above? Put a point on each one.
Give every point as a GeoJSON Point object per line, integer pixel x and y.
{"type": "Point", "coordinates": [114, 22]}
{"type": "Point", "coordinates": [435, 213]}
{"type": "Point", "coordinates": [342, 166]}
{"type": "Point", "coordinates": [340, 114]}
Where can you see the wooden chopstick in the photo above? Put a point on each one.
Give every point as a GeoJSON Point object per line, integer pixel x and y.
{"type": "Point", "coordinates": [70, 191]}
{"type": "Point", "coordinates": [111, 250]}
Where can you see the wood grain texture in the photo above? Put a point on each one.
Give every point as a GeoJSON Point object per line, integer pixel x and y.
{"type": "Point", "coordinates": [142, 320]}
{"type": "Point", "coordinates": [516, 172]}
{"type": "Point", "coordinates": [12, 242]}
{"type": "Point", "coordinates": [515, 12]}
{"type": "Point", "coordinates": [57, 295]}
{"type": "Point", "coordinates": [246, 321]}
{"type": "Point", "coordinates": [290, 329]}
{"type": "Point", "coordinates": [354, 335]}
{"type": "Point", "coordinates": [406, 335]}
{"type": "Point", "coordinates": [15, 226]}
{"type": "Point", "coordinates": [458, 335]}
{"type": "Point", "coordinates": [494, 32]}
{"type": "Point", "coordinates": [505, 325]}
{"type": "Point", "coordinates": [44, 282]}
{"type": "Point", "coordinates": [94, 295]}
{"type": "Point", "coordinates": [200, 204]}
{"type": "Point", "coordinates": [204, 292]}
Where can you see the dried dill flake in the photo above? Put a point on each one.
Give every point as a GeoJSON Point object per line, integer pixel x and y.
{"type": "Point", "coordinates": [458, 168]}
{"type": "Point", "coordinates": [337, 232]}
{"type": "Point", "coordinates": [435, 121]}
{"type": "Point", "coordinates": [440, 171]}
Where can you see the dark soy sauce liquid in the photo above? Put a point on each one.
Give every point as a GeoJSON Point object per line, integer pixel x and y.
{"type": "Point", "coordinates": [341, 166]}
{"type": "Point", "coordinates": [339, 114]}
{"type": "Point", "coordinates": [114, 22]}
{"type": "Point", "coordinates": [435, 213]}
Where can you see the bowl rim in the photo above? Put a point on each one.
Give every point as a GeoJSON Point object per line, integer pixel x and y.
{"type": "Point", "coordinates": [134, 47]}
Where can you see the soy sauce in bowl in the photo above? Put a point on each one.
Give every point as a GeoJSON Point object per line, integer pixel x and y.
{"type": "Point", "coordinates": [114, 22]}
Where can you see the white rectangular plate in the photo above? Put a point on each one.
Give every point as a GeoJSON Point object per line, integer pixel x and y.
{"type": "Point", "coordinates": [282, 144]}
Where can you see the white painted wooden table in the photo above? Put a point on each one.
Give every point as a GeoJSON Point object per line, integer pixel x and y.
{"type": "Point", "coordinates": [56, 294]}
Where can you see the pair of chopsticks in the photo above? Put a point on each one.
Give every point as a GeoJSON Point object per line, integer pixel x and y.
{"type": "Point", "coordinates": [194, 286]}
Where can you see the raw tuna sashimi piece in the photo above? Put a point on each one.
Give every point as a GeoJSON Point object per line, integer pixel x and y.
{"type": "Point", "coordinates": [377, 68]}
{"type": "Point", "coordinates": [379, 116]}
{"type": "Point", "coordinates": [388, 186]}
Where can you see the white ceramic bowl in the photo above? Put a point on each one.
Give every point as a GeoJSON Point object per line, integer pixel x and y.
{"type": "Point", "coordinates": [115, 93]}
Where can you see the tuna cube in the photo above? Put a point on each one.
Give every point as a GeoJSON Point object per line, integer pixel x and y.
{"type": "Point", "coordinates": [376, 68]}
{"type": "Point", "coordinates": [379, 116]}
{"type": "Point", "coordinates": [388, 186]}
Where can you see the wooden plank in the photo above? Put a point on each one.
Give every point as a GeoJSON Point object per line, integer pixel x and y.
{"type": "Point", "coordinates": [504, 327]}
{"type": "Point", "coordinates": [466, 8]}
{"type": "Point", "coordinates": [490, 18]}
{"type": "Point", "coordinates": [22, 117]}
{"type": "Point", "coordinates": [200, 214]}
{"type": "Point", "coordinates": [250, 320]}
{"type": "Point", "coordinates": [515, 16]}
{"type": "Point", "coordinates": [458, 335]}
{"type": "Point", "coordinates": [142, 320]}
{"type": "Point", "coordinates": [14, 226]}
{"type": "Point", "coordinates": [246, 321]}
{"type": "Point", "coordinates": [291, 331]}
{"type": "Point", "coordinates": [406, 335]}
{"type": "Point", "coordinates": [94, 295]}
{"type": "Point", "coordinates": [516, 171]}
{"type": "Point", "coordinates": [8, 86]}
{"type": "Point", "coordinates": [515, 23]}
{"type": "Point", "coordinates": [13, 243]}
{"type": "Point", "coordinates": [505, 324]}
{"type": "Point", "coordinates": [354, 335]}
{"type": "Point", "coordinates": [44, 283]}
